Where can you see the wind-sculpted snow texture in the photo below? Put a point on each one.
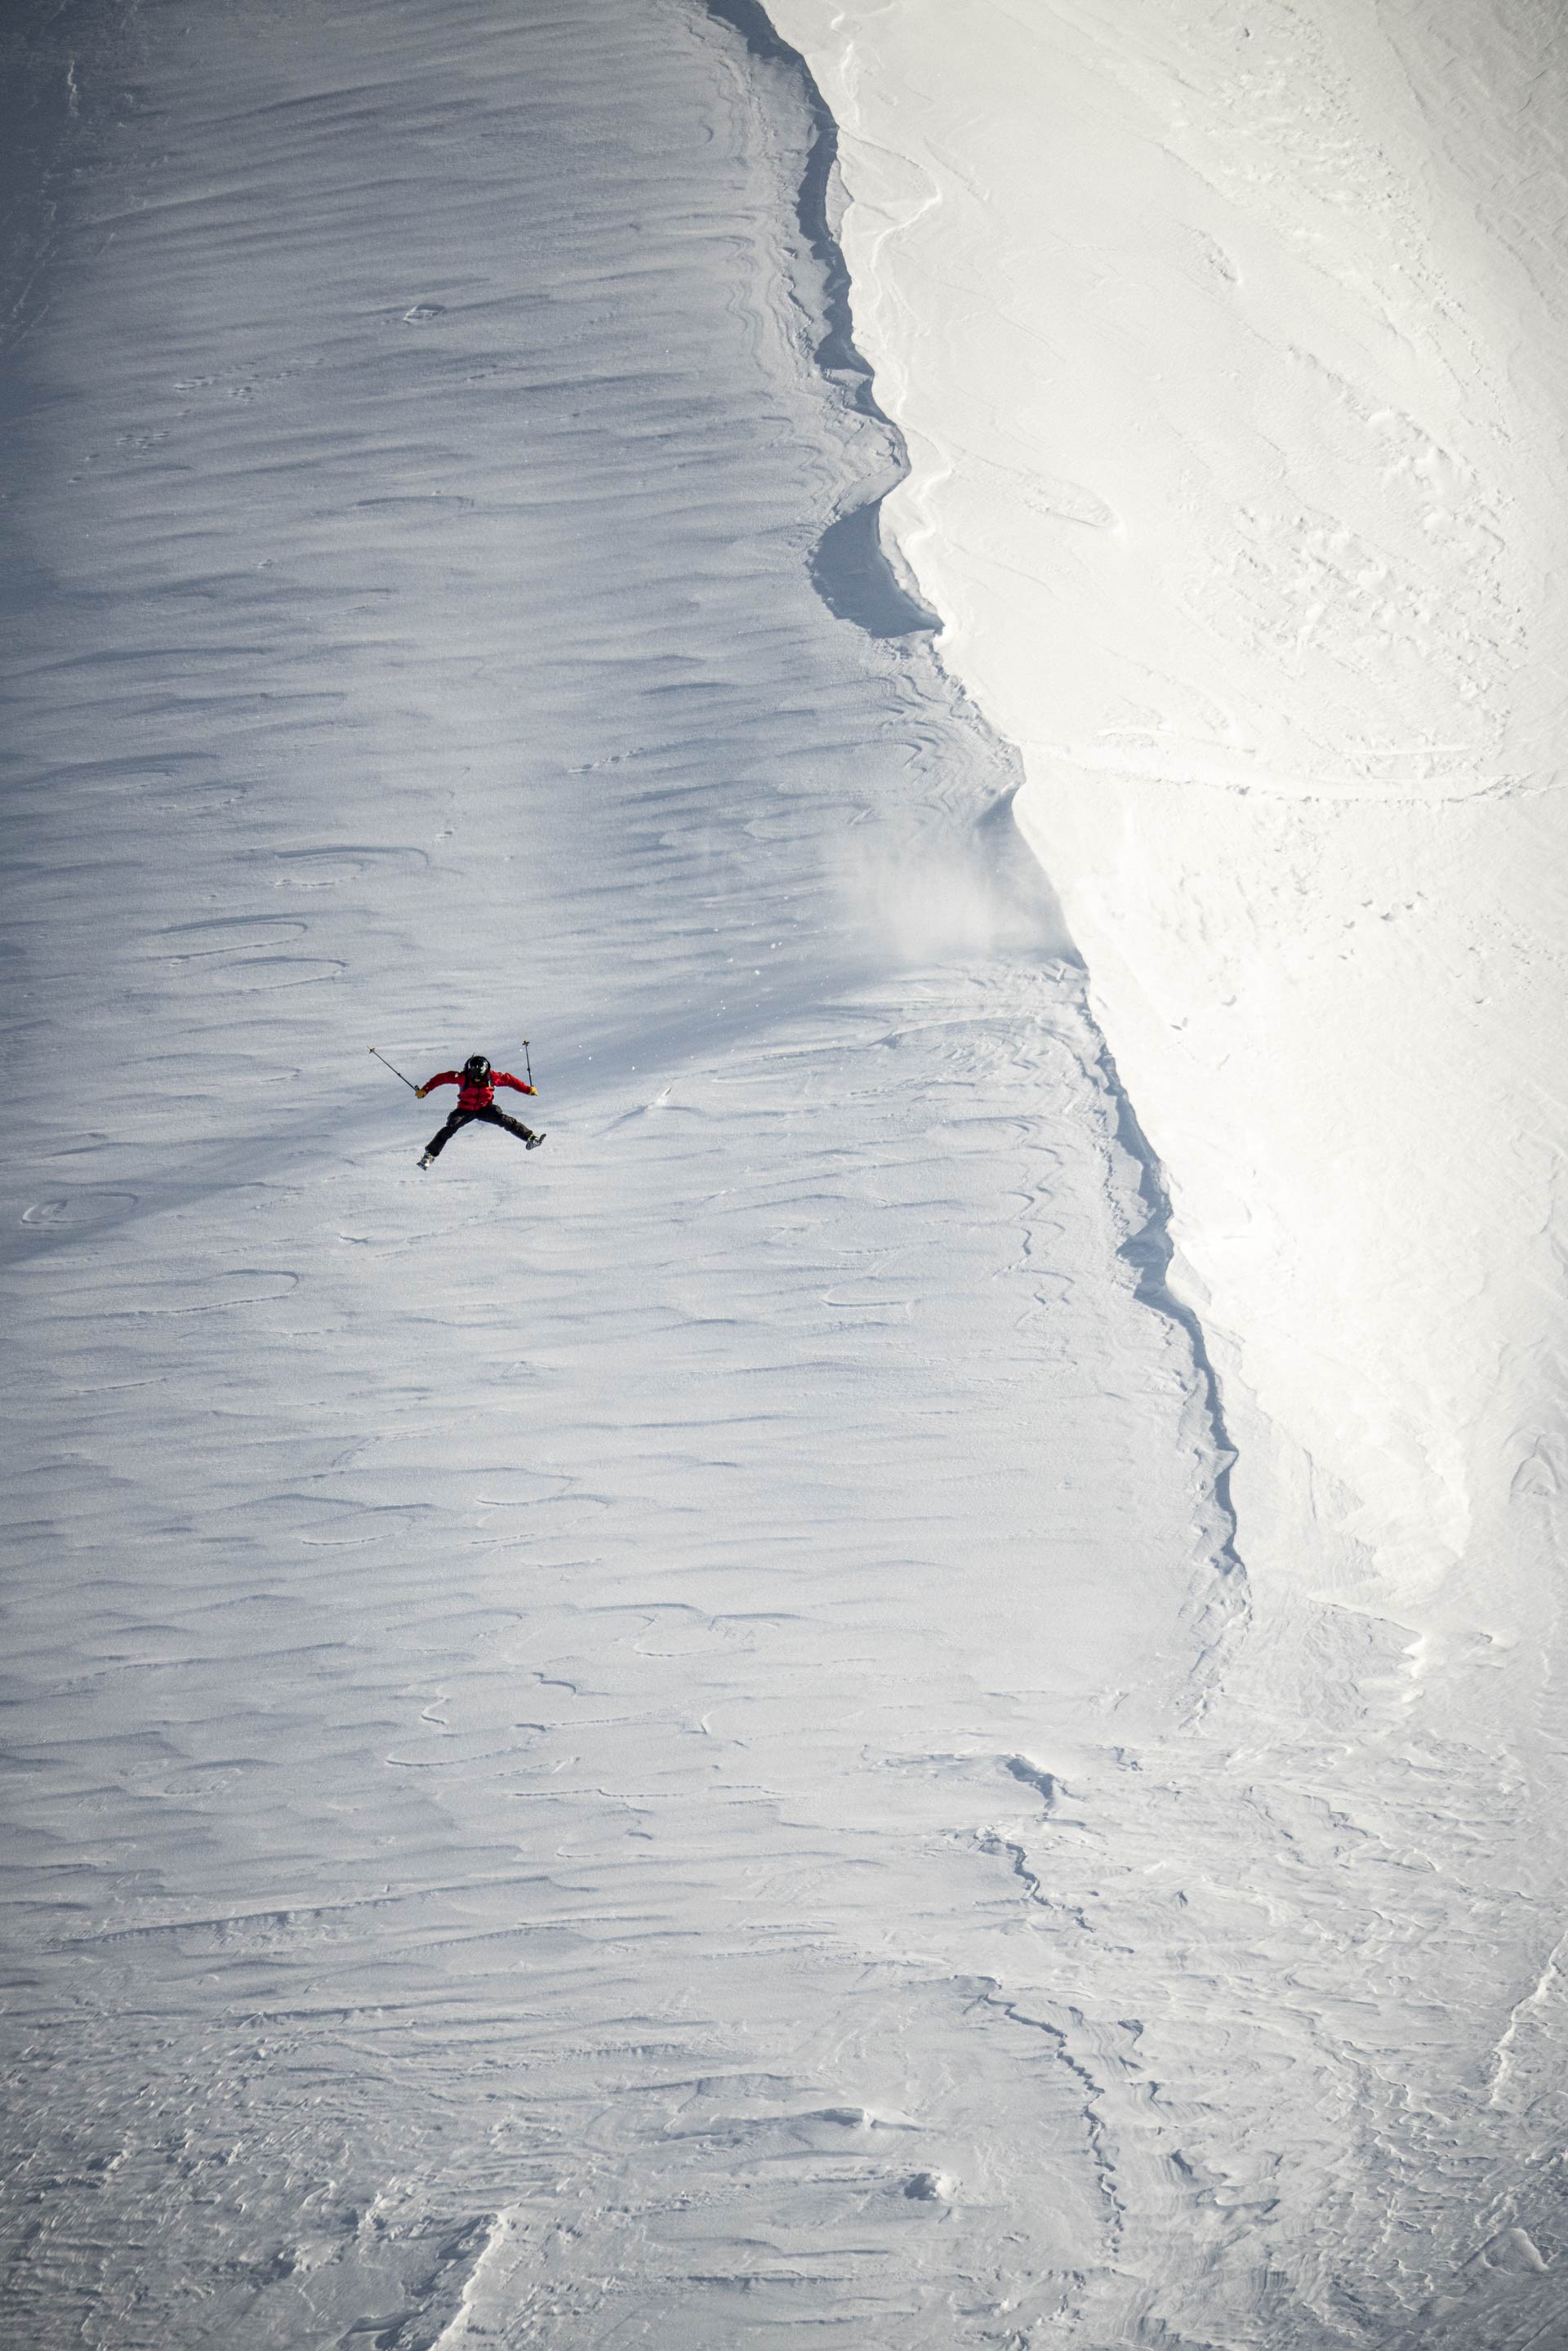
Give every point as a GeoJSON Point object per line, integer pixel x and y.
{"type": "Point", "coordinates": [663, 1742]}
{"type": "Point", "coordinates": [527, 1683]}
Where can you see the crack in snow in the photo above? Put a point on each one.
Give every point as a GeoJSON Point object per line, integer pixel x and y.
{"type": "Point", "coordinates": [1503, 2051]}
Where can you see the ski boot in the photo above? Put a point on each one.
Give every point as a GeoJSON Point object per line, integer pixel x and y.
{"type": "Point", "coordinates": [534, 1142]}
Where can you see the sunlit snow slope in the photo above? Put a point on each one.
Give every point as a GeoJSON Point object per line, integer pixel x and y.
{"type": "Point", "coordinates": [659, 1741]}
{"type": "Point", "coordinates": [1231, 342]}
{"type": "Point", "coordinates": [1231, 346]}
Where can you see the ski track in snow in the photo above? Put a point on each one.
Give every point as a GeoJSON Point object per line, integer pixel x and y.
{"type": "Point", "coordinates": [632, 1744]}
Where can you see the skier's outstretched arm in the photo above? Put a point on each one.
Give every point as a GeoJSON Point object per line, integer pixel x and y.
{"type": "Point", "coordinates": [505, 1078]}
{"type": "Point", "coordinates": [442, 1078]}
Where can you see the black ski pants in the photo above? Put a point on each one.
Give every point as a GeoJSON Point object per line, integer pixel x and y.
{"type": "Point", "coordinates": [491, 1116]}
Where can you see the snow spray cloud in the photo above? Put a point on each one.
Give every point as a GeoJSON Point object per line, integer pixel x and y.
{"type": "Point", "coordinates": [949, 889]}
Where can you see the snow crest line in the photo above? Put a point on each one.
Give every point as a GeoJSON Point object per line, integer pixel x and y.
{"type": "Point", "coordinates": [1149, 1251]}
{"type": "Point", "coordinates": [853, 575]}
{"type": "Point", "coordinates": [850, 569]}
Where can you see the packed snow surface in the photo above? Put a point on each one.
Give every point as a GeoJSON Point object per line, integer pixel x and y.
{"type": "Point", "coordinates": [667, 1740]}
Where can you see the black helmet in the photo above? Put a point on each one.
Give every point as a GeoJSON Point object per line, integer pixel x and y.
{"type": "Point", "coordinates": [477, 1070]}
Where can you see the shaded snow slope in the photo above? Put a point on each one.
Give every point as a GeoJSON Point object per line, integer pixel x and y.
{"type": "Point", "coordinates": [527, 1683]}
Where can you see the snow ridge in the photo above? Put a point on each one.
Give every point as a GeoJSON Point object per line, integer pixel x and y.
{"type": "Point", "coordinates": [1150, 1251]}
{"type": "Point", "coordinates": [851, 567]}
{"type": "Point", "coordinates": [852, 572]}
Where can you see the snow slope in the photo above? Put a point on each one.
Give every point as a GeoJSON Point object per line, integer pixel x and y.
{"type": "Point", "coordinates": [524, 1681]}
{"type": "Point", "coordinates": [660, 1742]}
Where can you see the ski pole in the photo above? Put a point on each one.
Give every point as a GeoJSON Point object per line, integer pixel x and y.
{"type": "Point", "coordinates": [527, 1063]}
{"type": "Point", "coordinates": [397, 1073]}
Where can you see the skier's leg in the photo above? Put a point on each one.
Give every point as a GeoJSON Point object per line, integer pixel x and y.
{"type": "Point", "coordinates": [439, 1141]}
{"type": "Point", "coordinates": [513, 1125]}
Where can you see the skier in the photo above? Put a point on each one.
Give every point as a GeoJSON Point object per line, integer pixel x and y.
{"type": "Point", "coordinates": [476, 1082]}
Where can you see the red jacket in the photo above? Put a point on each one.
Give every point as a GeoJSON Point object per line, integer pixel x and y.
{"type": "Point", "coordinates": [477, 1097]}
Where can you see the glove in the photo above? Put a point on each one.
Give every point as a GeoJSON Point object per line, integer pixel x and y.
{"type": "Point", "coordinates": [420, 1092]}
{"type": "Point", "coordinates": [530, 1089]}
